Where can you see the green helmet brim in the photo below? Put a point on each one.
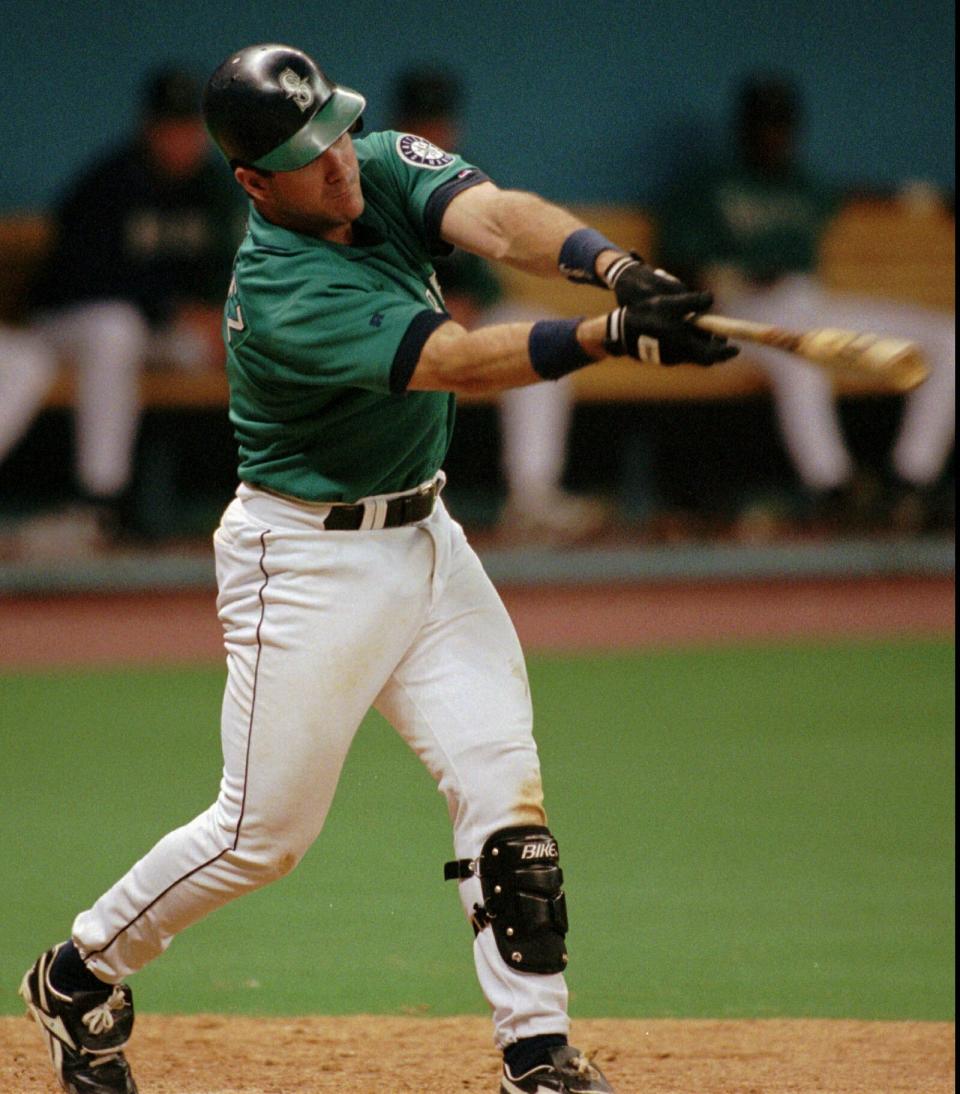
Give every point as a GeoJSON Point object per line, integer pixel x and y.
{"type": "Point", "coordinates": [329, 123]}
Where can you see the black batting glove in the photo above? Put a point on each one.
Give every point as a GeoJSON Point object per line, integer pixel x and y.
{"type": "Point", "coordinates": [658, 331]}
{"type": "Point", "coordinates": [634, 281]}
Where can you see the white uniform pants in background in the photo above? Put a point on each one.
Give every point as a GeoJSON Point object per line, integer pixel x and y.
{"type": "Point", "coordinates": [534, 423]}
{"type": "Point", "coordinates": [803, 394]}
{"type": "Point", "coordinates": [320, 626]}
{"type": "Point", "coordinates": [27, 369]}
{"type": "Point", "coordinates": [107, 342]}
{"type": "Point", "coordinates": [110, 343]}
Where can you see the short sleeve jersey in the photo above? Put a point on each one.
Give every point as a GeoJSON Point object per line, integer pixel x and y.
{"type": "Point", "coordinates": [322, 338]}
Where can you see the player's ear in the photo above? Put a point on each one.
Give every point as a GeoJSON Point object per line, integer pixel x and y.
{"type": "Point", "coordinates": [255, 182]}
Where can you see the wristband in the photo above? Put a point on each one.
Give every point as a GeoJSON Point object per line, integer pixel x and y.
{"type": "Point", "coordinates": [554, 349]}
{"type": "Point", "coordinates": [578, 256]}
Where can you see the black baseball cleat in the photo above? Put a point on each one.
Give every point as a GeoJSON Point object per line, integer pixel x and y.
{"type": "Point", "coordinates": [85, 1032]}
{"type": "Point", "coordinates": [569, 1072]}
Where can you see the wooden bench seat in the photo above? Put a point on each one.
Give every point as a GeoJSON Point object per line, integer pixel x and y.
{"type": "Point", "coordinates": [884, 248]}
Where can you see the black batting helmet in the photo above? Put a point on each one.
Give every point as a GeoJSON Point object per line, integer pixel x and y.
{"type": "Point", "coordinates": [270, 106]}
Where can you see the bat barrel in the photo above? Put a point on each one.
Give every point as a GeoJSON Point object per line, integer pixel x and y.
{"type": "Point", "coordinates": [899, 364]}
{"type": "Point", "coordinates": [905, 369]}
{"type": "Point", "coordinates": [895, 361]}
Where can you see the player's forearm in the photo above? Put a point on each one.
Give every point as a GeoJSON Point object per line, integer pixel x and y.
{"type": "Point", "coordinates": [497, 358]}
{"type": "Point", "coordinates": [535, 232]}
{"type": "Point", "coordinates": [518, 228]}
{"type": "Point", "coordinates": [531, 232]}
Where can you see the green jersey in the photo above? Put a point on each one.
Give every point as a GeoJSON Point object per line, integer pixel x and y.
{"type": "Point", "coordinates": [732, 215]}
{"type": "Point", "coordinates": [322, 338]}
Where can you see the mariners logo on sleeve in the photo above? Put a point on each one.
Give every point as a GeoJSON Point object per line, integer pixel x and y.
{"type": "Point", "coordinates": [421, 153]}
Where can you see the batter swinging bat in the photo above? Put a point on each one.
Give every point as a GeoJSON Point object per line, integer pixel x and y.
{"type": "Point", "coordinates": [894, 360]}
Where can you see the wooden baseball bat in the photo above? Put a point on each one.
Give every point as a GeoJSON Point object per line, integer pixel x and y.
{"type": "Point", "coordinates": [895, 361]}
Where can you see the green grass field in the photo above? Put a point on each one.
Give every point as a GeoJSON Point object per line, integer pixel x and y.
{"type": "Point", "coordinates": [759, 831]}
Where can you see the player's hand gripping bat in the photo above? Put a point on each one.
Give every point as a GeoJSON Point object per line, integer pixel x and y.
{"type": "Point", "coordinates": [895, 361]}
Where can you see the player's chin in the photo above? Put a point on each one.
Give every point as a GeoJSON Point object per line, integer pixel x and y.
{"type": "Point", "coordinates": [343, 208]}
{"type": "Point", "coordinates": [353, 204]}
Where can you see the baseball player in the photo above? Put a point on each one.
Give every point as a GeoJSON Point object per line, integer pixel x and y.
{"type": "Point", "coordinates": [144, 238]}
{"type": "Point", "coordinates": [343, 582]}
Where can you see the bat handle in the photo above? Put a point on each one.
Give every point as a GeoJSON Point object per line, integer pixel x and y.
{"type": "Point", "coordinates": [749, 331]}
{"type": "Point", "coordinates": [731, 328]}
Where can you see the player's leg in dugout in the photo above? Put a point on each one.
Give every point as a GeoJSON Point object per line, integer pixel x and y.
{"type": "Point", "coordinates": [803, 395]}
{"type": "Point", "coordinates": [926, 432]}
{"type": "Point", "coordinates": [461, 699]}
{"type": "Point", "coordinates": [803, 400]}
{"type": "Point", "coordinates": [27, 371]}
{"type": "Point", "coordinates": [314, 624]}
{"type": "Point", "coordinates": [107, 340]}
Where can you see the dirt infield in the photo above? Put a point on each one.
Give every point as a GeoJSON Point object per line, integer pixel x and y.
{"type": "Point", "coordinates": [182, 626]}
{"type": "Point", "coordinates": [210, 1054]}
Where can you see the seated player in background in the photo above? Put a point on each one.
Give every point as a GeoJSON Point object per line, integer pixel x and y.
{"type": "Point", "coordinates": [144, 242]}
{"type": "Point", "coordinates": [749, 227]}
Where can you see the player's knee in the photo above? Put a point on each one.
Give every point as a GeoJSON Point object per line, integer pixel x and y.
{"type": "Point", "coordinates": [524, 902]}
{"type": "Point", "coordinates": [518, 799]}
{"type": "Point", "coordinates": [261, 863]}
{"type": "Point", "coordinates": [283, 861]}
{"type": "Point", "coordinates": [25, 364]}
{"type": "Point", "coordinates": [115, 333]}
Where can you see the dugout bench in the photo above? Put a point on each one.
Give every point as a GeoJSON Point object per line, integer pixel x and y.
{"type": "Point", "coordinates": [883, 247]}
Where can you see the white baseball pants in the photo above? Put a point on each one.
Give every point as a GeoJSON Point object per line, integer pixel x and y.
{"type": "Point", "coordinates": [107, 341]}
{"type": "Point", "coordinates": [320, 626]}
{"type": "Point", "coordinates": [534, 423]}
{"type": "Point", "coordinates": [27, 370]}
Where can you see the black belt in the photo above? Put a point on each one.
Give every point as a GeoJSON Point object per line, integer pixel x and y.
{"type": "Point", "coordinates": [406, 509]}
